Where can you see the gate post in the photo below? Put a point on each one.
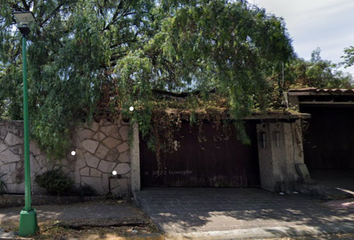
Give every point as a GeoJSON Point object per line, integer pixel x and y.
{"type": "Point", "coordinates": [135, 159]}
{"type": "Point", "coordinates": [280, 153]}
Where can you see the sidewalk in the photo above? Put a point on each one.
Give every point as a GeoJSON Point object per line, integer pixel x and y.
{"type": "Point", "coordinates": [105, 213]}
{"type": "Point", "coordinates": [204, 213]}
{"type": "Point", "coordinates": [212, 213]}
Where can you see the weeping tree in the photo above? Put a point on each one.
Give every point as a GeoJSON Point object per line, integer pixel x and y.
{"type": "Point", "coordinates": [90, 58]}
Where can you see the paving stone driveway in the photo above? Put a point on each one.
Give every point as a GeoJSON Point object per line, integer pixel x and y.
{"type": "Point", "coordinates": [198, 210]}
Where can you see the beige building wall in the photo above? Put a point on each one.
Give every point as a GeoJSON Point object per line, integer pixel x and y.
{"type": "Point", "coordinates": [280, 152]}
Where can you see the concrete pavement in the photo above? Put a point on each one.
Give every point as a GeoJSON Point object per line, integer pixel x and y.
{"type": "Point", "coordinates": [87, 210]}
{"type": "Point", "coordinates": [216, 213]}
{"type": "Point", "coordinates": [99, 212]}
{"type": "Point", "coordinates": [212, 213]}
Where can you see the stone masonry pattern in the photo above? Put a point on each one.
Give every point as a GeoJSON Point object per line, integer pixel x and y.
{"type": "Point", "coordinates": [101, 148]}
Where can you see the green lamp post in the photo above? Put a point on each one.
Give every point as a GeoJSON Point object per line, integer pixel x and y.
{"type": "Point", "coordinates": [28, 216]}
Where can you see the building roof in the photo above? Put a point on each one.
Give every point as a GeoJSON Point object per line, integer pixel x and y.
{"type": "Point", "coordinates": [311, 91]}
{"type": "Point", "coordinates": [316, 97]}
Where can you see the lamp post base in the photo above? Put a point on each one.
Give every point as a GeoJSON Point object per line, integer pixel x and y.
{"type": "Point", "coordinates": [28, 223]}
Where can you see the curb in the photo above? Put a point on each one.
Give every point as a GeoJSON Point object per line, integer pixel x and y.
{"type": "Point", "coordinates": [15, 238]}
{"type": "Point", "coordinates": [265, 233]}
{"type": "Point", "coordinates": [151, 236]}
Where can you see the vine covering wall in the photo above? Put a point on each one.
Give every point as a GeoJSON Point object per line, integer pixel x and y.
{"type": "Point", "coordinates": [100, 148]}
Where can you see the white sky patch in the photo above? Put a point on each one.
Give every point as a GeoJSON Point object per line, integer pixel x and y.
{"type": "Point", "coordinates": [327, 24]}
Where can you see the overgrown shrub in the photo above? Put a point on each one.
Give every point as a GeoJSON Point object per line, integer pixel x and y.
{"type": "Point", "coordinates": [56, 182]}
{"type": "Point", "coordinates": [86, 190]}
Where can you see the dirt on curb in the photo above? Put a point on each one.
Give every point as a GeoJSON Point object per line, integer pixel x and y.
{"type": "Point", "coordinates": [106, 219]}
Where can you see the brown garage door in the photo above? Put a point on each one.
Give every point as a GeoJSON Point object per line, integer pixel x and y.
{"type": "Point", "coordinates": [329, 140]}
{"type": "Point", "coordinates": [227, 163]}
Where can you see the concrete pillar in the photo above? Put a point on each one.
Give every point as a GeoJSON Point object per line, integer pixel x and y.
{"type": "Point", "coordinates": [280, 151]}
{"type": "Point", "coordinates": [265, 156]}
{"type": "Point", "coordinates": [135, 159]}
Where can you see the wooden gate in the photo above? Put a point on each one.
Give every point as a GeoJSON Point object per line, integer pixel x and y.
{"type": "Point", "coordinates": [226, 163]}
{"type": "Point", "coordinates": [329, 140]}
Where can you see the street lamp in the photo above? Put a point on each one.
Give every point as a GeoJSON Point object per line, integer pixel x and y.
{"type": "Point", "coordinates": [28, 216]}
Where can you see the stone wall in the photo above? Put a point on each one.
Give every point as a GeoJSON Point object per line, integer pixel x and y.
{"type": "Point", "coordinates": [100, 148]}
{"type": "Point", "coordinates": [11, 155]}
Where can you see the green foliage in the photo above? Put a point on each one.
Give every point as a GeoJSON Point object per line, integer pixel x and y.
{"type": "Point", "coordinates": [318, 73]}
{"type": "Point", "coordinates": [3, 186]}
{"type": "Point", "coordinates": [299, 73]}
{"type": "Point", "coordinates": [349, 56]}
{"type": "Point", "coordinates": [56, 182]}
{"type": "Point", "coordinates": [86, 190]}
{"type": "Point", "coordinates": [227, 46]}
{"type": "Point", "coordinates": [88, 57]}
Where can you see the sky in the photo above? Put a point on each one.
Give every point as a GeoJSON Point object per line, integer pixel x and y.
{"type": "Point", "coordinates": [327, 24]}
